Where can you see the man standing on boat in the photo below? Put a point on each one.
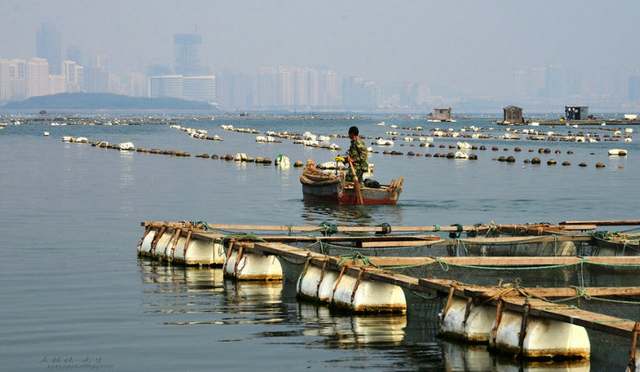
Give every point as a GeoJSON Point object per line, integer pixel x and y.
{"type": "Point", "coordinates": [358, 156]}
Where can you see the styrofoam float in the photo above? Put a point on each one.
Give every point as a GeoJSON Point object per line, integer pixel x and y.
{"type": "Point", "coordinates": [171, 247]}
{"type": "Point", "coordinates": [252, 266]}
{"type": "Point", "coordinates": [350, 293]}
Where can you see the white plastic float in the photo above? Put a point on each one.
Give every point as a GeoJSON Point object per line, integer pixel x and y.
{"type": "Point", "coordinates": [475, 327]}
{"type": "Point", "coordinates": [461, 155]}
{"type": "Point", "coordinates": [351, 293]}
{"type": "Point", "coordinates": [544, 338]}
{"type": "Point", "coordinates": [282, 161]}
{"type": "Point", "coordinates": [316, 283]}
{"type": "Point", "coordinates": [464, 145]}
{"type": "Point", "coordinates": [252, 266]}
{"type": "Point", "coordinates": [618, 152]}
{"type": "Point", "coordinates": [170, 246]}
{"type": "Point", "coordinates": [126, 146]}
{"type": "Point", "coordinates": [384, 142]}
{"type": "Point", "coordinates": [637, 358]}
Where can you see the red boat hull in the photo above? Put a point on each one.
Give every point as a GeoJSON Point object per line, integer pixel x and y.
{"type": "Point", "coordinates": [339, 193]}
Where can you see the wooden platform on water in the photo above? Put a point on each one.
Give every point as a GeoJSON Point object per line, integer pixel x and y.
{"type": "Point", "coordinates": [527, 301]}
{"type": "Point", "coordinates": [513, 298]}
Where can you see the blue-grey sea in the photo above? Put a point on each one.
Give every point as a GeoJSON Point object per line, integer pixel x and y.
{"type": "Point", "coordinates": [74, 295]}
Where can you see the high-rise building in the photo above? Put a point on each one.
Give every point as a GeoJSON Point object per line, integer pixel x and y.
{"type": "Point", "coordinates": [301, 87]}
{"type": "Point", "coordinates": [6, 91]}
{"type": "Point", "coordinates": [423, 95]}
{"type": "Point", "coordinates": [232, 90]}
{"type": "Point", "coordinates": [372, 95]}
{"type": "Point", "coordinates": [96, 76]}
{"type": "Point", "coordinates": [17, 74]}
{"type": "Point", "coordinates": [48, 46]}
{"type": "Point", "coordinates": [76, 55]}
{"type": "Point", "coordinates": [187, 61]}
{"type": "Point", "coordinates": [137, 85]}
{"type": "Point", "coordinates": [313, 87]}
{"type": "Point", "coordinates": [165, 86]}
{"type": "Point", "coordinates": [285, 86]}
{"type": "Point", "coordinates": [267, 87]}
{"type": "Point", "coordinates": [199, 88]}
{"type": "Point", "coordinates": [74, 77]}
{"type": "Point", "coordinates": [353, 92]}
{"type": "Point", "coordinates": [329, 89]}
{"type": "Point", "coordinates": [37, 78]}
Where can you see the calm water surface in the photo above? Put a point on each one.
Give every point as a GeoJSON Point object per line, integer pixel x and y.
{"type": "Point", "coordinates": [74, 294]}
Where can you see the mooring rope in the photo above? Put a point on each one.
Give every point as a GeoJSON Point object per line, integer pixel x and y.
{"type": "Point", "coordinates": [355, 257]}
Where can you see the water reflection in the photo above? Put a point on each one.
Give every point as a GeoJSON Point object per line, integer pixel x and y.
{"type": "Point", "coordinates": [316, 213]}
{"type": "Point", "coordinates": [196, 296]}
{"type": "Point", "coordinates": [203, 297]}
{"type": "Point", "coordinates": [469, 358]}
{"type": "Point", "coordinates": [352, 330]}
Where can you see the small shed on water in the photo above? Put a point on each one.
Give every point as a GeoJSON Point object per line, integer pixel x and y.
{"type": "Point", "coordinates": [513, 115]}
{"type": "Point", "coordinates": [576, 112]}
{"type": "Point", "coordinates": [442, 113]}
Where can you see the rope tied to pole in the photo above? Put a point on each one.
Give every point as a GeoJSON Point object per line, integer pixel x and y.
{"type": "Point", "coordinates": [355, 257]}
{"type": "Point", "coordinates": [386, 229]}
{"type": "Point", "coordinates": [456, 234]}
{"type": "Point", "coordinates": [328, 228]}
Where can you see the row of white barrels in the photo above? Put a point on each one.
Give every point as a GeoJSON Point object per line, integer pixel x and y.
{"type": "Point", "coordinates": [538, 338]}
{"type": "Point", "coordinates": [511, 332]}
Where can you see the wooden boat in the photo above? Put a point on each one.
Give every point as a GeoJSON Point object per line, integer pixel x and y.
{"type": "Point", "coordinates": [320, 187]}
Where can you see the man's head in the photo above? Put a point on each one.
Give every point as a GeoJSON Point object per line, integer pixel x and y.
{"type": "Point", "coordinates": [353, 132]}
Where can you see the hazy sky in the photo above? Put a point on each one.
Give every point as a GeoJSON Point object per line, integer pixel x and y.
{"type": "Point", "coordinates": [462, 44]}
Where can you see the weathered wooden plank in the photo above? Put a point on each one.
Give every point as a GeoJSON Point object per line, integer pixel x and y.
{"type": "Point", "coordinates": [580, 227]}
{"type": "Point", "coordinates": [396, 243]}
{"type": "Point", "coordinates": [604, 223]}
{"type": "Point", "coordinates": [287, 228]}
{"type": "Point", "coordinates": [587, 319]}
{"type": "Point", "coordinates": [276, 248]}
{"type": "Point", "coordinates": [482, 294]}
{"type": "Point", "coordinates": [543, 309]}
{"type": "Point", "coordinates": [490, 295]}
{"type": "Point", "coordinates": [510, 261]}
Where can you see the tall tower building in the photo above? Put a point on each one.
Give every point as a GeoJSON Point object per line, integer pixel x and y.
{"type": "Point", "coordinates": [76, 55]}
{"type": "Point", "coordinates": [267, 87]}
{"type": "Point", "coordinates": [232, 90]}
{"type": "Point", "coordinates": [6, 92]}
{"type": "Point", "coordinates": [48, 46]}
{"type": "Point", "coordinates": [329, 89]}
{"type": "Point", "coordinates": [37, 77]}
{"type": "Point", "coordinates": [96, 76]}
{"type": "Point", "coordinates": [353, 92]}
{"type": "Point", "coordinates": [187, 62]}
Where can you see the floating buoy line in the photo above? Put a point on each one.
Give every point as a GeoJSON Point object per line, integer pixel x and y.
{"type": "Point", "coordinates": [399, 136]}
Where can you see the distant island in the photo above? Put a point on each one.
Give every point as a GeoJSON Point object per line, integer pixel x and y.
{"type": "Point", "coordinates": [105, 101]}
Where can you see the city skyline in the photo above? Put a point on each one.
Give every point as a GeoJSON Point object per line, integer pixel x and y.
{"type": "Point", "coordinates": [489, 50]}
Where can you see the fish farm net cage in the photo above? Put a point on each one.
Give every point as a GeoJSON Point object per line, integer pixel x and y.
{"type": "Point", "coordinates": [578, 276]}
